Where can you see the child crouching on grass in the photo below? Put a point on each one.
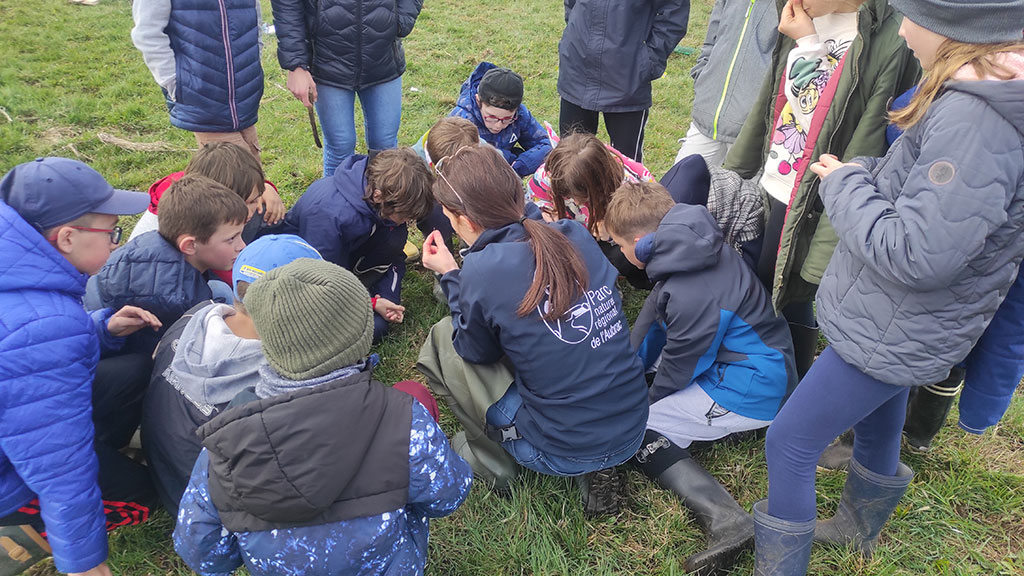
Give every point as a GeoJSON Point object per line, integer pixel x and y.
{"type": "Point", "coordinates": [929, 245]}
{"type": "Point", "coordinates": [320, 469]}
{"type": "Point", "coordinates": [571, 398]}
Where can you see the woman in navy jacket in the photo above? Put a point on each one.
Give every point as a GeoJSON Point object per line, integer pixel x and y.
{"type": "Point", "coordinates": [540, 297]}
{"type": "Point", "coordinates": [337, 49]}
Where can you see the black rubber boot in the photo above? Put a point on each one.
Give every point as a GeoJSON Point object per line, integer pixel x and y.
{"type": "Point", "coordinates": [604, 492]}
{"type": "Point", "coordinates": [729, 529]}
{"type": "Point", "coordinates": [837, 455]}
{"type": "Point", "coordinates": [805, 346]}
{"type": "Point", "coordinates": [868, 501]}
{"type": "Point", "coordinates": [928, 408]}
{"type": "Point", "coordinates": [781, 547]}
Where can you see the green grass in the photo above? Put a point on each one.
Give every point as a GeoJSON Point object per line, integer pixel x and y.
{"type": "Point", "coordinates": [70, 77]}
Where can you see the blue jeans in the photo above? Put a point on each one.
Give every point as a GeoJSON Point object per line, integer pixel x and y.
{"type": "Point", "coordinates": [831, 398]}
{"type": "Point", "coordinates": [503, 413]}
{"type": "Point", "coordinates": [382, 114]}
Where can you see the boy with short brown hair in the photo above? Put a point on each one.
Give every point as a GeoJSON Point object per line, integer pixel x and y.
{"type": "Point", "coordinates": [445, 137]}
{"type": "Point", "coordinates": [357, 219]}
{"type": "Point", "coordinates": [167, 271]}
{"type": "Point", "coordinates": [726, 363]}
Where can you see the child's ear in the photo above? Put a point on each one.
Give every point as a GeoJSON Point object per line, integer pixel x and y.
{"type": "Point", "coordinates": [62, 240]}
{"type": "Point", "coordinates": [187, 244]}
{"type": "Point", "coordinates": [477, 97]}
{"type": "Point", "coordinates": [377, 197]}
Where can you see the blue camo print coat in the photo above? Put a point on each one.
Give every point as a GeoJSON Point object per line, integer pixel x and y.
{"type": "Point", "coordinates": [391, 543]}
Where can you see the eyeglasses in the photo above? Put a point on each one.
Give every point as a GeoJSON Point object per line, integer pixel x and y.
{"type": "Point", "coordinates": [115, 233]}
{"type": "Point", "coordinates": [501, 120]}
{"type": "Point", "coordinates": [440, 164]}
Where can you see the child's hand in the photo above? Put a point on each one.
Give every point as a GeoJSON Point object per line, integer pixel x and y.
{"type": "Point", "coordinates": [794, 21]}
{"type": "Point", "coordinates": [390, 311]}
{"type": "Point", "coordinates": [273, 207]}
{"type": "Point", "coordinates": [300, 83]}
{"type": "Point", "coordinates": [436, 256]}
{"type": "Point", "coordinates": [131, 319]}
{"type": "Point", "coordinates": [827, 164]}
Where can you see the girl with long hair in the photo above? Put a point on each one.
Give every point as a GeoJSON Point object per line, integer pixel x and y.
{"type": "Point", "coordinates": [535, 360]}
{"type": "Point", "coordinates": [929, 245]}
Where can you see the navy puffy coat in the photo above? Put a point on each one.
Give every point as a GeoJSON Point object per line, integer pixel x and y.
{"type": "Point", "coordinates": [149, 272]}
{"type": "Point", "coordinates": [611, 50]}
{"type": "Point", "coordinates": [525, 132]}
{"type": "Point", "coordinates": [219, 79]}
{"type": "Point", "coordinates": [49, 347]}
{"type": "Point", "coordinates": [349, 44]}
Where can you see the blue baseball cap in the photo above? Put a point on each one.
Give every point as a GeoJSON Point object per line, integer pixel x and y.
{"type": "Point", "coordinates": [47, 192]}
{"type": "Point", "coordinates": [267, 253]}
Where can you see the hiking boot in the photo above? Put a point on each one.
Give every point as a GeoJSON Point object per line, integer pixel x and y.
{"type": "Point", "coordinates": [603, 492]}
{"type": "Point", "coordinates": [837, 455]}
{"type": "Point", "coordinates": [928, 408]}
{"type": "Point", "coordinates": [20, 548]}
{"type": "Point", "coordinates": [868, 501]}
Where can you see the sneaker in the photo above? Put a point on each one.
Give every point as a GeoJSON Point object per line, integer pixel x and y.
{"type": "Point", "coordinates": [603, 492]}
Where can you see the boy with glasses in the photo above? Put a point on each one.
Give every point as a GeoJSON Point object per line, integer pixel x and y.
{"type": "Point", "coordinates": [66, 413]}
{"type": "Point", "coordinates": [492, 98]}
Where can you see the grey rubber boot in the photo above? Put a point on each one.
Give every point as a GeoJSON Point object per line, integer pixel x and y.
{"type": "Point", "coordinates": [729, 529]}
{"type": "Point", "coordinates": [837, 455]}
{"type": "Point", "coordinates": [868, 501]}
{"type": "Point", "coordinates": [928, 408]}
{"type": "Point", "coordinates": [781, 547]}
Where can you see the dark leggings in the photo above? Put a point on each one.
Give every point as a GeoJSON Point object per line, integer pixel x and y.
{"type": "Point", "coordinates": [625, 129]}
{"type": "Point", "coordinates": [831, 398]}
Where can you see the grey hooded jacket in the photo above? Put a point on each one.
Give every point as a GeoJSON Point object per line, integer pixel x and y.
{"type": "Point", "coordinates": [730, 69]}
{"type": "Point", "coordinates": [930, 236]}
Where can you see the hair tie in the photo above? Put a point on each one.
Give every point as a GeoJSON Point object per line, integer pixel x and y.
{"type": "Point", "coordinates": [523, 219]}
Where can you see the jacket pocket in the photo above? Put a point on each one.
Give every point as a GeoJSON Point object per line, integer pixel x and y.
{"type": "Point", "coordinates": [819, 251]}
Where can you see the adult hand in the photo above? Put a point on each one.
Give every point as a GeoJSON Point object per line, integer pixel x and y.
{"type": "Point", "coordinates": [390, 311]}
{"type": "Point", "coordinates": [436, 255]}
{"type": "Point", "coordinates": [101, 570]}
{"type": "Point", "coordinates": [828, 163]}
{"type": "Point", "coordinates": [794, 21]}
{"type": "Point", "coordinates": [301, 85]}
{"type": "Point", "coordinates": [131, 319]}
{"type": "Point", "coordinates": [273, 207]}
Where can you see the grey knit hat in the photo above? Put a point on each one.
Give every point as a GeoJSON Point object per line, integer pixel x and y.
{"type": "Point", "coordinates": [969, 21]}
{"type": "Point", "coordinates": [312, 316]}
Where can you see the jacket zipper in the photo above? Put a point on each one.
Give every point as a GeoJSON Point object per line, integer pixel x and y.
{"type": "Point", "coordinates": [359, 46]}
{"type": "Point", "coordinates": [728, 75]}
{"type": "Point", "coordinates": [230, 63]}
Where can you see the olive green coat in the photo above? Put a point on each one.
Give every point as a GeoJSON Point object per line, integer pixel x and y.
{"type": "Point", "coordinates": [878, 67]}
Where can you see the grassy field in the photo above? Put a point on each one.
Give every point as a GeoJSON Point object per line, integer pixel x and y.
{"type": "Point", "coordinates": [72, 84]}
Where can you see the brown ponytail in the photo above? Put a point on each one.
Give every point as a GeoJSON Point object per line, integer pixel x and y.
{"type": "Point", "coordinates": [477, 183]}
{"type": "Point", "coordinates": [581, 168]}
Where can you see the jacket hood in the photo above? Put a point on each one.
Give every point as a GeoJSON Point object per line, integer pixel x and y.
{"type": "Point", "coordinates": [467, 94]}
{"type": "Point", "coordinates": [687, 240]}
{"type": "Point", "coordinates": [1004, 96]}
{"type": "Point", "coordinates": [288, 459]}
{"type": "Point", "coordinates": [211, 365]}
{"type": "Point", "coordinates": [28, 261]}
{"type": "Point", "coordinates": [350, 179]}
{"type": "Point", "coordinates": [514, 232]}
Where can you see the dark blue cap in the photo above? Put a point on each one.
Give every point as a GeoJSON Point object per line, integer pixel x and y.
{"type": "Point", "coordinates": [47, 192]}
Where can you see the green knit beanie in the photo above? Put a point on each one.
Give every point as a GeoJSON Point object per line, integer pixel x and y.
{"type": "Point", "coordinates": [312, 316]}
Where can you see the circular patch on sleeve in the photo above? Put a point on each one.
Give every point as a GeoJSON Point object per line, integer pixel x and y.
{"type": "Point", "coordinates": [941, 172]}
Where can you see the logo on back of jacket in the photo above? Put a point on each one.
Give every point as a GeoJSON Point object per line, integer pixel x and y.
{"type": "Point", "coordinates": [596, 310]}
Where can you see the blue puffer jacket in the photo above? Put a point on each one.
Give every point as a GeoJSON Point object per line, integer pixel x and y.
{"type": "Point", "coordinates": [582, 386]}
{"type": "Point", "coordinates": [723, 334]}
{"type": "Point", "coordinates": [611, 50]}
{"type": "Point", "coordinates": [525, 133]}
{"type": "Point", "coordinates": [333, 217]}
{"type": "Point", "coordinates": [350, 44]}
{"type": "Point", "coordinates": [149, 272]}
{"type": "Point", "coordinates": [219, 79]}
{"type": "Point", "coordinates": [49, 348]}
{"type": "Point", "coordinates": [929, 237]}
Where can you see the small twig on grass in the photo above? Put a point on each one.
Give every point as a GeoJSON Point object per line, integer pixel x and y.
{"type": "Point", "coordinates": [6, 115]}
{"type": "Point", "coordinates": [75, 151]}
{"type": "Point", "coordinates": [136, 146]}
